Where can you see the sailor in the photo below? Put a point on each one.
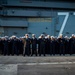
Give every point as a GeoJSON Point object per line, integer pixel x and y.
{"type": "Point", "coordinates": [72, 44]}
{"type": "Point", "coordinates": [48, 41]}
{"type": "Point", "coordinates": [61, 41]}
{"type": "Point", "coordinates": [42, 45]}
{"type": "Point", "coordinates": [67, 47]}
{"type": "Point", "coordinates": [52, 46]}
{"type": "Point", "coordinates": [34, 44]}
{"type": "Point", "coordinates": [27, 43]}
{"type": "Point", "coordinates": [0, 45]}
{"type": "Point", "coordinates": [14, 45]}
{"type": "Point", "coordinates": [20, 45]}
{"type": "Point", "coordinates": [38, 42]}
{"type": "Point", "coordinates": [5, 44]}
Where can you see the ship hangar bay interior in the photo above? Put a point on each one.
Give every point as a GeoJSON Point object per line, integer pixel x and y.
{"type": "Point", "coordinates": [53, 17]}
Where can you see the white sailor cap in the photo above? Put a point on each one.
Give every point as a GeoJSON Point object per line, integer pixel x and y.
{"type": "Point", "coordinates": [42, 34]}
{"type": "Point", "coordinates": [26, 34]}
{"type": "Point", "coordinates": [61, 35]}
{"type": "Point", "coordinates": [13, 36]}
{"type": "Point", "coordinates": [33, 34]}
{"type": "Point", "coordinates": [6, 36]}
{"type": "Point", "coordinates": [73, 35]}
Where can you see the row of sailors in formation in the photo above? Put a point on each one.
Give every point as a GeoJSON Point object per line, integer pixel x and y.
{"type": "Point", "coordinates": [37, 46]}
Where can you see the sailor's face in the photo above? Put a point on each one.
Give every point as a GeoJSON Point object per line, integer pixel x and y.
{"type": "Point", "coordinates": [60, 36]}
{"type": "Point", "coordinates": [27, 36]}
{"type": "Point", "coordinates": [33, 36]}
{"type": "Point", "coordinates": [42, 36]}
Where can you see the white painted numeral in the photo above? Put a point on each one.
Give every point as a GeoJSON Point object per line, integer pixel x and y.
{"type": "Point", "coordinates": [64, 22]}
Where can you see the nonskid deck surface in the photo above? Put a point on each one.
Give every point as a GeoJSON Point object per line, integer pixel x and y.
{"type": "Point", "coordinates": [44, 65]}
